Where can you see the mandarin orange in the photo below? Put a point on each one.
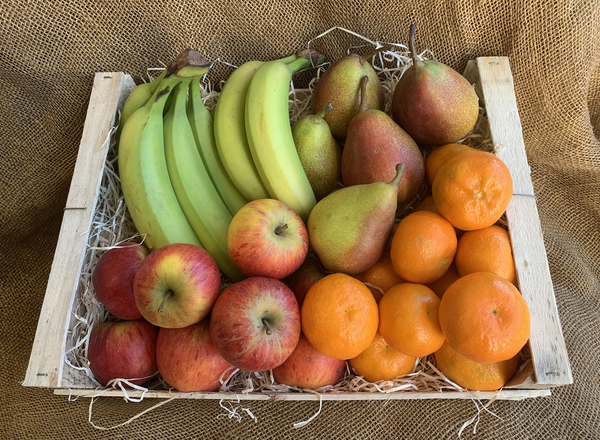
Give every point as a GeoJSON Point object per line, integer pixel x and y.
{"type": "Point", "coordinates": [339, 316]}
{"type": "Point", "coordinates": [408, 319]}
{"type": "Point", "coordinates": [381, 275]}
{"type": "Point", "coordinates": [472, 189]}
{"type": "Point", "coordinates": [484, 317]}
{"type": "Point", "coordinates": [437, 157]}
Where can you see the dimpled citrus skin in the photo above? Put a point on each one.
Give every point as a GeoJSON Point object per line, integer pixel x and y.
{"type": "Point", "coordinates": [473, 375]}
{"type": "Point", "coordinates": [423, 247]}
{"type": "Point", "coordinates": [486, 250]}
{"type": "Point", "coordinates": [440, 155]}
{"type": "Point", "coordinates": [472, 189]}
{"type": "Point", "coordinates": [408, 319]}
{"type": "Point", "coordinates": [381, 362]}
{"type": "Point", "coordinates": [484, 318]}
{"type": "Point", "coordinates": [339, 316]}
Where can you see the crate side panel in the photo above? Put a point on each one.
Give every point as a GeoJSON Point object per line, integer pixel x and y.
{"type": "Point", "coordinates": [46, 363]}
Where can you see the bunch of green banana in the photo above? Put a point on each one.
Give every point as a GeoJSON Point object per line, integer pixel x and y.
{"type": "Point", "coordinates": [253, 132]}
{"type": "Point", "coordinates": [174, 185]}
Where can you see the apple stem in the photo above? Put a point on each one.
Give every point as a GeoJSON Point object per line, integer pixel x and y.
{"type": "Point", "coordinates": [267, 326]}
{"type": "Point", "coordinates": [279, 230]}
{"type": "Point", "coordinates": [162, 304]}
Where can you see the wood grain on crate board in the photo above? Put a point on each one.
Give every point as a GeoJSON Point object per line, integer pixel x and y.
{"type": "Point", "coordinates": [494, 85]}
{"type": "Point", "coordinates": [47, 360]}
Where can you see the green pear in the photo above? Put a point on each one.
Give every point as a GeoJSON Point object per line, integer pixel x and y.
{"type": "Point", "coordinates": [351, 227]}
{"type": "Point", "coordinates": [319, 152]}
{"type": "Point", "coordinates": [340, 85]}
{"type": "Point", "coordinates": [434, 103]}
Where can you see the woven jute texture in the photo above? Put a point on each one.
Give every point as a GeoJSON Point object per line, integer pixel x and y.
{"type": "Point", "coordinates": [49, 52]}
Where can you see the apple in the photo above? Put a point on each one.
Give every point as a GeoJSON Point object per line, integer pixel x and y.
{"type": "Point", "coordinates": [123, 350]}
{"type": "Point", "coordinates": [307, 368]}
{"type": "Point", "coordinates": [255, 323]}
{"type": "Point", "coordinates": [302, 279]}
{"type": "Point", "coordinates": [267, 238]}
{"type": "Point", "coordinates": [177, 285]}
{"type": "Point", "coordinates": [112, 279]}
{"type": "Point", "coordinates": [188, 359]}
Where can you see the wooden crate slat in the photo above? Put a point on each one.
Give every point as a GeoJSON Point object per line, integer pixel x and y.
{"type": "Point", "coordinates": [549, 354]}
{"type": "Point", "coordinates": [47, 360]}
{"type": "Point", "coordinates": [159, 394]}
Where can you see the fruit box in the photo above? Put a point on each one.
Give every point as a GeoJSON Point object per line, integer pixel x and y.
{"type": "Point", "coordinates": [548, 365]}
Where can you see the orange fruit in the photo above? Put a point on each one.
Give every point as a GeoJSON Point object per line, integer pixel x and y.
{"type": "Point", "coordinates": [440, 285]}
{"type": "Point", "coordinates": [381, 274]}
{"type": "Point", "coordinates": [472, 189]}
{"type": "Point", "coordinates": [473, 375]}
{"type": "Point", "coordinates": [423, 247]}
{"type": "Point", "coordinates": [381, 362]}
{"type": "Point", "coordinates": [484, 317]}
{"type": "Point", "coordinates": [486, 250]}
{"type": "Point", "coordinates": [428, 204]}
{"type": "Point", "coordinates": [339, 316]}
{"type": "Point", "coordinates": [437, 157]}
{"type": "Point", "coordinates": [408, 319]}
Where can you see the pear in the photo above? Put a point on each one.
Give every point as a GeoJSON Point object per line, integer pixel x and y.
{"type": "Point", "coordinates": [351, 227]}
{"type": "Point", "coordinates": [319, 153]}
{"type": "Point", "coordinates": [434, 103]}
{"type": "Point", "coordinates": [340, 85]}
{"type": "Point", "coordinates": [375, 143]}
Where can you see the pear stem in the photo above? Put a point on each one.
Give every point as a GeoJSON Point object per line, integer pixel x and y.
{"type": "Point", "coordinates": [162, 304]}
{"type": "Point", "coordinates": [363, 93]}
{"type": "Point", "coordinates": [373, 53]}
{"type": "Point", "coordinates": [400, 168]}
{"type": "Point", "coordinates": [322, 112]}
{"type": "Point", "coordinates": [267, 326]}
{"type": "Point", "coordinates": [411, 43]}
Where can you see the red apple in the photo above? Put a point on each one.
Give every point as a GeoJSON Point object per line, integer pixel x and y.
{"type": "Point", "coordinates": [188, 359]}
{"type": "Point", "coordinates": [307, 368]}
{"type": "Point", "coordinates": [123, 350]}
{"type": "Point", "coordinates": [309, 272]}
{"type": "Point", "coordinates": [267, 238]}
{"type": "Point", "coordinates": [113, 279]}
{"type": "Point", "coordinates": [177, 285]}
{"type": "Point", "coordinates": [255, 324]}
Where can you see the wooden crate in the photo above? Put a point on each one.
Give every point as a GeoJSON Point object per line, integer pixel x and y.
{"type": "Point", "coordinates": [494, 85]}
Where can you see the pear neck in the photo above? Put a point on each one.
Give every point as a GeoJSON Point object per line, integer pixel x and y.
{"type": "Point", "coordinates": [317, 118]}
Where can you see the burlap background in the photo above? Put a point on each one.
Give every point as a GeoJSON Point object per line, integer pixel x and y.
{"type": "Point", "coordinates": [49, 52]}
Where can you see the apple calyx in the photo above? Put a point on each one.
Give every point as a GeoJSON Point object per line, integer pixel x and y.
{"type": "Point", "coordinates": [162, 304]}
{"type": "Point", "coordinates": [281, 229]}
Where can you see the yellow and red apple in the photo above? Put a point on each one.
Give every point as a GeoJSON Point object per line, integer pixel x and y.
{"type": "Point", "coordinates": [113, 276]}
{"type": "Point", "coordinates": [267, 238]}
{"type": "Point", "coordinates": [255, 323]}
{"type": "Point", "coordinates": [123, 350]}
{"type": "Point", "coordinates": [177, 285]}
{"type": "Point", "coordinates": [188, 359]}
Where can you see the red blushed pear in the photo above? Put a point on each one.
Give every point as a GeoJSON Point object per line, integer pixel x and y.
{"type": "Point", "coordinates": [188, 359]}
{"type": "Point", "coordinates": [123, 350]}
{"type": "Point", "coordinates": [374, 145]}
{"type": "Point", "coordinates": [433, 103]}
{"type": "Point", "coordinates": [255, 323]}
{"type": "Point", "coordinates": [350, 228]}
{"type": "Point", "coordinates": [307, 368]}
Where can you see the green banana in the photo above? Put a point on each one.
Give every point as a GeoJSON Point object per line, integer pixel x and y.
{"type": "Point", "coordinates": [230, 131]}
{"type": "Point", "coordinates": [145, 181]}
{"type": "Point", "coordinates": [200, 201]}
{"type": "Point", "coordinates": [139, 97]}
{"type": "Point", "coordinates": [270, 137]}
{"type": "Point", "coordinates": [201, 122]}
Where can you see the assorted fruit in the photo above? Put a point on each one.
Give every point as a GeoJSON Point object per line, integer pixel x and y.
{"type": "Point", "coordinates": [277, 246]}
